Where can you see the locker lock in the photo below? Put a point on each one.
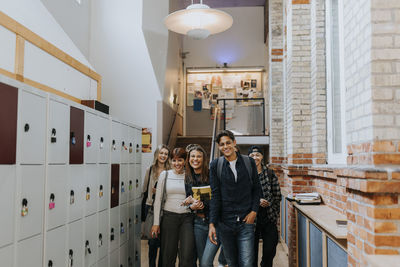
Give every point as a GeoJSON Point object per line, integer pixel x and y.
{"type": "Point", "coordinates": [137, 148]}
{"type": "Point", "coordinates": [130, 185]}
{"type": "Point", "coordinates": [87, 248]}
{"type": "Point", "coordinates": [114, 147]}
{"type": "Point", "coordinates": [101, 191]}
{"type": "Point", "coordinates": [136, 219]}
{"type": "Point", "coordinates": [87, 193]}
{"type": "Point", "coordinates": [53, 138]}
{"type": "Point", "coordinates": [101, 142]}
{"type": "Point", "coordinates": [50, 263]}
{"type": "Point", "coordinates": [122, 187]}
{"type": "Point", "coordinates": [26, 127]}
{"type": "Point", "coordinates": [71, 197]}
{"type": "Point", "coordinates": [136, 256]}
{"type": "Point", "coordinates": [52, 204]}
{"type": "Point", "coordinates": [100, 240]}
{"type": "Point", "coordinates": [122, 228]}
{"type": "Point", "coordinates": [73, 139]}
{"type": "Point", "coordinates": [130, 263]}
{"type": "Point", "coordinates": [137, 183]}
{"type": "Point", "coordinates": [130, 148]}
{"type": "Point", "coordinates": [124, 146]}
{"type": "Point", "coordinates": [88, 141]}
{"type": "Point", "coordinates": [130, 222]}
{"type": "Point", "coordinates": [24, 210]}
{"type": "Point", "coordinates": [112, 234]}
{"type": "Point", "coordinates": [112, 189]}
{"type": "Point", "coordinates": [71, 258]}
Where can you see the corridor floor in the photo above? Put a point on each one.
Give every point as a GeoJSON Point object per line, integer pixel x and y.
{"type": "Point", "coordinates": [280, 260]}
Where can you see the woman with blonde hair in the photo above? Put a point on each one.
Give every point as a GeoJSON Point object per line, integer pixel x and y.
{"type": "Point", "coordinates": [160, 163]}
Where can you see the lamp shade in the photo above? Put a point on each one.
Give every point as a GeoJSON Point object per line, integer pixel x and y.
{"type": "Point", "coordinates": [198, 21]}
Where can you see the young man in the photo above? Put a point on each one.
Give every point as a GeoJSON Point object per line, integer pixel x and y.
{"type": "Point", "coordinates": [234, 203]}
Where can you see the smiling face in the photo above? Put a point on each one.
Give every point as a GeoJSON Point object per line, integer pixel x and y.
{"type": "Point", "coordinates": [227, 147]}
{"type": "Point", "coordinates": [178, 164]}
{"type": "Point", "coordinates": [163, 155]}
{"type": "Point", "coordinates": [257, 156]}
{"type": "Point", "coordinates": [196, 160]}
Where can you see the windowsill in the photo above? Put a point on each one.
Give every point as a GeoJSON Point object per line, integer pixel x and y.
{"type": "Point", "coordinates": [382, 260]}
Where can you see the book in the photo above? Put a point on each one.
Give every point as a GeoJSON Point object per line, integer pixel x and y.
{"type": "Point", "coordinates": [202, 193]}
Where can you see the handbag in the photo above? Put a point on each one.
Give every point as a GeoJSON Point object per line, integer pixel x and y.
{"type": "Point", "coordinates": [148, 223]}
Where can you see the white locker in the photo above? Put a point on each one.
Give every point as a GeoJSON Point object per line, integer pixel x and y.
{"type": "Point", "coordinates": [104, 139]}
{"type": "Point", "coordinates": [132, 182]}
{"type": "Point", "coordinates": [58, 133]}
{"type": "Point", "coordinates": [125, 143]}
{"type": "Point", "coordinates": [104, 186]}
{"type": "Point", "coordinates": [31, 127]}
{"type": "Point", "coordinates": [114, 228]}
{"type": "Point", "coordinates": [123, 183]}
{"type": "Point", "coordinates": [7, 203]}
{"type": "Point", "coordinates": [30, 208]}
{"type": "Point", "coordinates": [137, 210]}
{"type": "Point", "coordinates": [138, 181]}
{"type": "Point", "coordinates": [123, 228]}
{"type": "Point", "coordinates": [91, 240]}
{"type": "Point", "coordinates": [116, 142]}
{"type": "Point", "coordinates": [103, 262]}
{"type": "Point", "coordinates": [123, 255]}
{"type": "Point", "coordinates": [114, 258]}
{"type": "Point", "coordinates": [103, 237]}
{"type": "Point", "coordinates": [92, 138]}
{"type": "Point", "coordinates": [56, 196]}
{"type": "Point", "coordinates": [76, 192]}
{"type": "Point", "coordinates": [75, 247]}
{"type": "Point", "coordinates": [7, 256]}
{"type": "Point", "coordinates": [132, 145]}
{"type": "Point", "coordinates": [138, 144]}
{"type": "Point", "coordinates": [91, 189]}
{"type": "Point", "coordinates": [56, 247]}
{"type": "Point", "coordinates": [30, 251]}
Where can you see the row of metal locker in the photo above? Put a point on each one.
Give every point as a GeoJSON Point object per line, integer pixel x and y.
{"type": "Point", "coordinates": [69, 183]}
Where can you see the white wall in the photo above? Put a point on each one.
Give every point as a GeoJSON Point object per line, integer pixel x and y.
{"type": "Point", "coordinates": [241, 45]}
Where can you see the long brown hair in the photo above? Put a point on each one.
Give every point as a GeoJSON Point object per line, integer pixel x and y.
{"type": "Point", "coordinates": [189, 177]}
{"type": "Point", "coordinates": [167, 165]}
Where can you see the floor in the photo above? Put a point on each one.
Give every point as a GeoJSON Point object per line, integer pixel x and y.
{"type": "Point", "coordinates": [280, 260]}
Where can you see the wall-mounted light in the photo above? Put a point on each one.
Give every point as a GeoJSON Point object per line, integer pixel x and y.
{"type": "Point", "coordinates": [198, 21]}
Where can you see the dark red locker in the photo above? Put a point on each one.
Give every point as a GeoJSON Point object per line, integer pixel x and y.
{"type": "Point", "coordinates": [8, 123]}
{"type": "Point", "coordinates": [114, 185]}
{"type": "Point", "coordinates": [77, 121]}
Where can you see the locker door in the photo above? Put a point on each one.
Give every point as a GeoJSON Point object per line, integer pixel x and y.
{"type": "Point", "coordinates": [76, 192]}
{"type": "Point", "coordinates": [123, 255]}
{"type": "Point", "coordinates": [58, 132]}
{"type": "Point", "coordinates": [91, 143]}
{"type": "Point", "coordinates": [75, 247]}
{"type": "Point", "coordinates": [137, 209]}
{"type": "Point", "coordinates": [29, 252]}
{"type": "Point", "coordinates": [138, 249]}
{"type": "Point", "coordinates": [138, 144]}
{"type": "Point", "coordinates": [91, 240]}
{"type": "Point", "coordinates": [132, 182]}
{"type": "Point", "coordinates": [114, 258]}
{"type": "Point", "coordinates": [8, 129]}
{"type": "Point", "coordinates": [7, 203]}
{"type": "Point", "coordinates": [125, 143]}
{"type": "Point", "coordinates": [76, 126]}
{"type": "Point", "coordinates": [30, 206]}
{"type": "Point", "coordinates": [114, 228]}
{"type": "Point", "coordinates": [103, 187]}
{"type": "Point", "coordinates": [91, 189]}
{"type": "Point", "coordinates": [104, 139]}
{"type": "Point", "coordinates": [32, 128]}
{"type": "Point", "coordinates": [116, 142]}
{"type": "Point", "coordinates": [7, 256]}
{"type": "Point", "coordinates": [131, 144]}
{"type": "Point", "coordinates": [138, 181]}
{"type": "Point", "coordinates": [123, 226]}
{"type": "Point", "coordinates": [56, 196]}
{"type": "Point", "coordinates": [114, 185]}
{"type": "Point", "coordinates": [103, 237]}
{"type": "Point", "coordinates": [103, 262]}
{"type": "Point", "coordinates": [124, 186]}
{"type": "Point", "coordinates": [56, 252]}
{"type": "Point", "coordinates": [131, 220]}
{"type": "Point", "coordinates": [131, 252]}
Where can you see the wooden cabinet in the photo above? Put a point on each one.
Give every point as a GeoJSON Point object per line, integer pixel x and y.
{"type": "Point", "coordinates": [77, 124]}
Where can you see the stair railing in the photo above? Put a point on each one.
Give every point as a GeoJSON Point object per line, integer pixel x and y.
{"type": "Point", "coordinates": [172, 125]}
{"type": "Point", "coordinates": [216, 129]}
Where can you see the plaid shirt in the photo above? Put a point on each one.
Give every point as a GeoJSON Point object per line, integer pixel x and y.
{"type": "Point", "coordinates": [271, 191]}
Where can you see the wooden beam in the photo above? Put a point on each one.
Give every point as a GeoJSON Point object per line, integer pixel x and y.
{"type": "Point", "coordinates": [8, 74]}
{"type": "Point", "coordinates": [99, 89]}
{"type": "Point", "coordinates": [19, 58]}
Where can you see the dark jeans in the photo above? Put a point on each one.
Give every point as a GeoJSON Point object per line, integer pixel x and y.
{"type": "Point", "coordinates": [269, 235]}
{"type": "Point", "coordinates": [154, 244]}
{"type": "Point", "coordinates": [177, 230]}
{"type": "Point", "coordinates": [237, 238]}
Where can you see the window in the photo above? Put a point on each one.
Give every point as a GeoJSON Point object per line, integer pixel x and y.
{"type": "Point", "coordinates": [336, 131]}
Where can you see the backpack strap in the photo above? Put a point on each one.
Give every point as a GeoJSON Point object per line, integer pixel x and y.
{"type": "Point", "coordinates": [220, 164]}
{"type": "Point", "coordinates": [247, 163]}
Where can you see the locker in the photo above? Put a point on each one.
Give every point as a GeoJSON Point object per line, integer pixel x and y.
{"type": "Point", "coordinates": [76, 138]}
{"type": "Point", "coordinates": [138, 155]}
{"type": "Point", "coordinates": [123, 255]}
{"type": "Point", "coordinates": [92, 141]}
{"type": "Point", "coordinates": [56, 196]}
{"type": "Point", "coordinates": [30, 207]}
{"type": "Point", "coordinates": [75, 248]}
{"type": "Point", "coordinates": [91, 240]}
{"type": "Point", "coordinates": [114, 258]}
{"type": "Point", "coordinates": [103, 262]}
{"type": "Point", "coordinates": [31, 249]}
{"type": "Point", "coordinates": [103, 187]}
{"type": "Point", "coordinates": [138, 181]}
{"type": "Point", "coordinates": [114, 228]}
{"type": "Point", "coordinates": [8, 129]}
{"type": "Point", "coordinates": [7, 256]}
{"type": "Point", "coordinates": [116, 142]}
{"type": "Point", "coordinates": [58, 132]}
{"type": "Point", "coordinates": [132, 145]}
{"type": "Point", "coordinates": [76, 192]}
{"type": "Point", "coordinates": [114, 190]}
{"type": "Point", "coordinates": [132, 182]}
{"type": "Point", "coordinates": [123, 227]}
{"type": "Point", "coordinates": [31, 127]}
{"type": "Point", "coordinates": [104, 139]}
{"type": "Point", "coordinates": [104, 236]}
{"type": "Point", "coordinates": [56, 247]}
{"type": "Point", "coordinates": [131, 220]}
{"type": "Point", "coordinates": [124, 143]}
{"type": "Point", "coordinates": [131, 252]}
{"type": "Point", "coordinates": [137, 221]}
{"type": "Point", "coordinates": [124, 183]}
{"type": "Point", "coordinates": [91, 189]}
{"type": "Point", "coordinates": [138, 249]}
{"type": "Point", "coordinates": [7, 203]}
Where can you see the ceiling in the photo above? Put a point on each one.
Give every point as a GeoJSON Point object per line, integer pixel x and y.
{"type": "Point", "coordinates": [224, 3]}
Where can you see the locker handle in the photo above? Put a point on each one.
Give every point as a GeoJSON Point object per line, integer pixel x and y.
{"type": "Point", "coordinates": [50, 263]}
{"type": "Point", "coordinates": [53, 132]}
{"type": "Point", "coordinates": [26, 127]}
{"type": "Point", "coordinates": [100, 240]}
{"type": "Point", "coordinates": [101, 139]}
{"type": "Point", "coordinates": [88, 250]}
{"type": "Point", "coordinates": [113, 142]}
{"type": "Point", "coordinates": [130, 144]}
{"type": "Point", "coordinates": [88, 137]}
{"type": "Point", "coordinates": [71, 258]}
{"type": "Point", "coordinates": [52, 197]}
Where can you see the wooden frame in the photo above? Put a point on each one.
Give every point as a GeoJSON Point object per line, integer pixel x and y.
{"type": "Point", "coordinates": [23, 34]}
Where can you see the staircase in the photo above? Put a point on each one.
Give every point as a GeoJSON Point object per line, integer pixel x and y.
{"type": "Point", "coordinates": [204, 141]}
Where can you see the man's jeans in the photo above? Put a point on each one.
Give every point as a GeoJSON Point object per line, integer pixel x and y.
{"type": "Point", "coordinates": [237, 239]}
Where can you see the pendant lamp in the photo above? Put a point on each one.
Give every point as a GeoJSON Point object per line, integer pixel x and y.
{"type": "Point", "coordinates": [198, 21]}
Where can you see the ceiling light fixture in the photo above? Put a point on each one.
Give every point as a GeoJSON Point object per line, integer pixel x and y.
{"type": "Point", "coordinates": [198, 21]}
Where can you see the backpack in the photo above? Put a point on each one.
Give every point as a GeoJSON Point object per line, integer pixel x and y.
{"type": "Point", "coordinates": [247, 163]}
